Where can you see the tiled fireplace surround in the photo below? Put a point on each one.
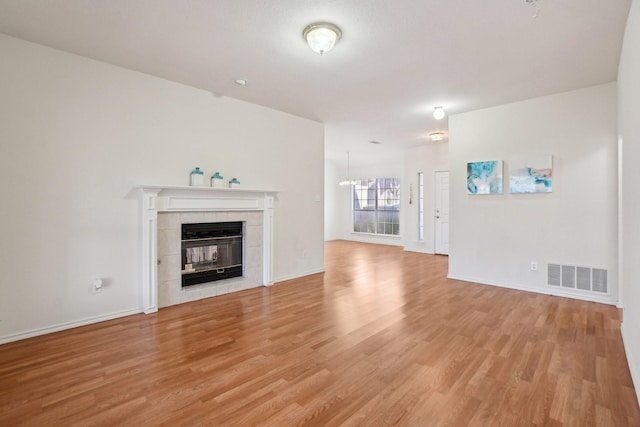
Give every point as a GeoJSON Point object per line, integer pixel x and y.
{"type": "Point", "coordinates": [170, 290]}
{"type": "Point", "coordinates": [163, 211]}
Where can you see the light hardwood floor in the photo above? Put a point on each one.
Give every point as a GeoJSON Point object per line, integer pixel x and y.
{"type": "Point", "coordinates": [381, 338]}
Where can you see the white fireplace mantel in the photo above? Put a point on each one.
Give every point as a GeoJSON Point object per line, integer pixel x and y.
{"type": "Point", "coordinates": [156, 198]}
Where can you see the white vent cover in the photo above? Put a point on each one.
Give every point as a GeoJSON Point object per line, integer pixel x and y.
{"type": "Point", "coordinates": [583, 278]}
{"type": "Point", "coordinates": [553, 274]}
{"type": "Point", "coordinates": [575, 277]}
{"type": "Point", "coordinates": [568, 276]}
{"type": "Point", "coordinates": [599, 280]}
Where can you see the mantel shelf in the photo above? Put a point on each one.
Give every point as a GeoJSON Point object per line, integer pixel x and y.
{"type": "Point", "coordinates": [159, 188]}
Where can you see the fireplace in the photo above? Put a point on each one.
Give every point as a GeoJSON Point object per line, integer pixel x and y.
{"type": "Point", "coordinates": [211, 252]}
{"type": "Point", "coordinates": [164, 209]}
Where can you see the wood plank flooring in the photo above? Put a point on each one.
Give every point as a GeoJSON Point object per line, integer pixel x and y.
{"type": "Point", "coordinates": [381, 338]}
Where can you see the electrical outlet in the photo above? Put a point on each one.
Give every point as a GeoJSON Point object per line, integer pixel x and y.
{"type": "Point", "coordinates": [534, 265]}
{"type": "Point", "coordinates": [96, 286]}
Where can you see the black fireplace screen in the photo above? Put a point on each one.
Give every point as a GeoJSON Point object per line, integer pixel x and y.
{"type": "Point", "coordinates": [211, 251]}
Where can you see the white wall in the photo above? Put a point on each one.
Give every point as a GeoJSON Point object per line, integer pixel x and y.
{"type": "Point", "coordinates": [629, 129]}
{"type": "Point", "coordinates": [495, 237]}
{"type": "Point", "coordinates": [77, 136]}
{"type": "Point", "coordinates": [426, 159]}
{"type": "Point", "coordinates": [332, 201]}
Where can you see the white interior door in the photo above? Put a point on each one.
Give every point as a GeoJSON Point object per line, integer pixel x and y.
{"type": "Point", "coordinates": [442, 213]}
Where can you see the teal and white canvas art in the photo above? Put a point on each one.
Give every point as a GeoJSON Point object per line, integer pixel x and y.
{"type": "Point", "coordinates": [531, 175]}
{"type": "Point", "coordinates": [484, 177]}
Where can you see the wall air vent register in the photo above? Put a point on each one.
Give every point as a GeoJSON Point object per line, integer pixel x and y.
{"type": "Point", "coordinates": [576, 277]}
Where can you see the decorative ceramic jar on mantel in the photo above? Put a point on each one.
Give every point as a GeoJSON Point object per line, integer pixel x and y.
{"type": "Point", "coordinates": [197, 178]}
{"type": "Point", "coordinates": [217, 180]}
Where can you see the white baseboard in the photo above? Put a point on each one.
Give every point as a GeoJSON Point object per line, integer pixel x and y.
{"type": "Point", "coordinates": [297, 276]}
{"type": "Point", "coordinates": [67, 325]}
{"type": "Point", "coordinates": [376, 239]}
{"type": "Point", "coordinates": [635, 370]}
{"type": "Point", "coordinates": [546, 290]}
{"type": "Point", "coordinates": [419, 248]}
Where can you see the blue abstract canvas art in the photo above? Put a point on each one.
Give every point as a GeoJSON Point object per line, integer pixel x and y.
{"type": "Point", "coordinates": [531, 175]}
{"type": "Point", "coordinates": [484, 177]}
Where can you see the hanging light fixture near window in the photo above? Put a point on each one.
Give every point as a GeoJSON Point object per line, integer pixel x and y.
{"type": "Point", "coordinates": [322, 36]}
{"type": "Point", "coordinates": [347, 180]}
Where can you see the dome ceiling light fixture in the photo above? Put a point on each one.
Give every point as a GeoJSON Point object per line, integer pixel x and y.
{"type": "Point", "coordinates": [437, 136]}
{"type": "Point", "coordinates": [322, 36]}
{"type": "Point", "coordinates": [438, 113]}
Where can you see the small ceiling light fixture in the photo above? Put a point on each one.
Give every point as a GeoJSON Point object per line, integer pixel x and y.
{"type": "Point", "coordinates": [437, 136]}
{"type": "Point", "coordinates": [375, 142]}
{"type": "Point", "coordinates": [240, 82]}
{"type": "Point", "coordinates": [322, 36]}
{"type": "Point", "coordinates": [347, 180]}
{"type": "Point", "coordinates": [438, 113]}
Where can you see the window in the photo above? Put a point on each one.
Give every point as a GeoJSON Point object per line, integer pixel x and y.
{"type": "Point", "coordinates": [420, 206]}
{"type": "Point", "coordinates": [376, 206]}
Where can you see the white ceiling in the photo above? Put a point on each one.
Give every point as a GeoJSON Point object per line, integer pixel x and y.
{"type": "Point", "coordinates": [395, 62]}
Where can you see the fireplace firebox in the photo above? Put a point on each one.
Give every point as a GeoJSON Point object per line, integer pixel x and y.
{"type": "Point", "coordinates": [211, 252]}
